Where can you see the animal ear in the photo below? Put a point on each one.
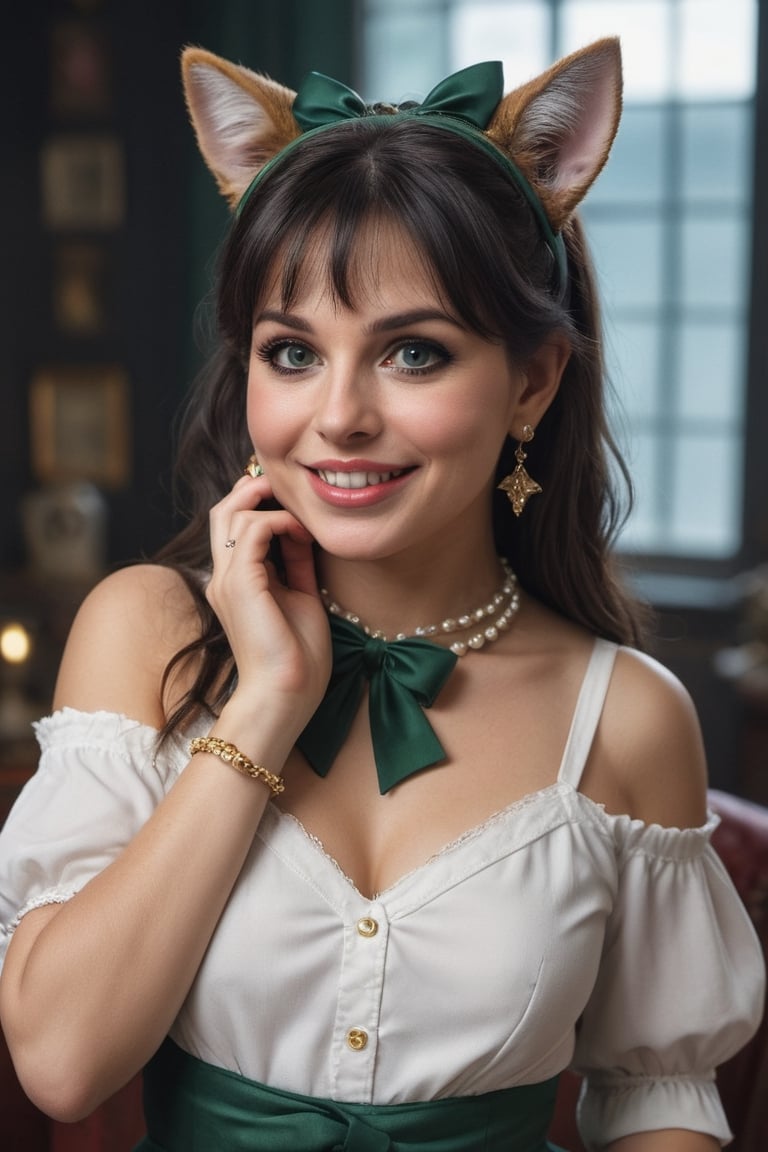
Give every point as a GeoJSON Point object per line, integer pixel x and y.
{"type": "Point", "coordinates": [241, 119]}
{"type": "Point", "coordinates": [559, 128]}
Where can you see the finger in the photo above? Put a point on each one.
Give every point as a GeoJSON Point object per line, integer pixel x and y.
{"type": "Point", "coordinates": [299, 561]}
{"type": "Point", "coordinates": [250, 534]}
{"type": "Point", "coordinates": [246, 494]}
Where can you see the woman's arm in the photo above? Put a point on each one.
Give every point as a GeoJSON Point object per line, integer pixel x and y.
{"type": "Point", "coordinates": [648, 760]}
{"type": "Point", "coordinates": [91, 987]}
{"type": "Point", "coordinates": [670, 1140]}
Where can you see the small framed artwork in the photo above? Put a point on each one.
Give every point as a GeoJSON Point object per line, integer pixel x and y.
{"type": "Point", "coordinates": [79, 424]}
{"type": "Point", "coordinates": [80, 70]}
{"type": "Point", "coordinates": [80, 288]}
{"type": "Point", "coordinates": [82, 177]}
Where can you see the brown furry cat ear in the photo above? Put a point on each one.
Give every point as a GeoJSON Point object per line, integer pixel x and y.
{"type": "Point", "coordinates": [241, 119]}
{"type": "Point", "coordinates": [559, 128]}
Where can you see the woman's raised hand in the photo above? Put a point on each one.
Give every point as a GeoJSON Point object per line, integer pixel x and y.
{"type": "Point", "coordinates": [277, 630]}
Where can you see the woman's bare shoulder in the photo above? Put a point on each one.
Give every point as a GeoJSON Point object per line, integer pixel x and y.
{"type": "Point", "coordinates": [648, 757]}
{"type": "Point", "coordinates": [125, 632]}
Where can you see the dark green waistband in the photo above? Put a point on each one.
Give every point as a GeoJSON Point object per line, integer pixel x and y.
{"type": "Point", "coordinates": [192, 1106]}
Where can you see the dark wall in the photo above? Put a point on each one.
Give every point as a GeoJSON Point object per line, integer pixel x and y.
{"type": "Point", "coordinates": [143, 256]}
{"type": "Point", "coordinates": [160, 258]}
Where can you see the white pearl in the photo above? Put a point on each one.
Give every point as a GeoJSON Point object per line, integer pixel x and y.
{"type": "Point", "coordinates": [507, 595]}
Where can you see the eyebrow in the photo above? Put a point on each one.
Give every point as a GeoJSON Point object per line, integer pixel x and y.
{"type": "Point", "coordinates": [384, 324]}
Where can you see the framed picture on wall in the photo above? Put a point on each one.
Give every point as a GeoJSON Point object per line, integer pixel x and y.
{"type": "Point", "coordinates": [82, 182]}
{"type": "Point", "coordinates": [80, 288]}
{"type": "Point", "coordinates": [80, 70]}
{"type": "Point", "coordinates": [79, 420]}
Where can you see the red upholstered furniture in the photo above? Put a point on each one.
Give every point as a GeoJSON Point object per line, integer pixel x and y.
{"type": "Point", "coordinates": [742, 841]}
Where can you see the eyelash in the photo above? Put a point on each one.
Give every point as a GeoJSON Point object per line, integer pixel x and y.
{"type": "Point", "coordinates": [268, 351]}
{"type": "Point", "coordinates": [444, 357]}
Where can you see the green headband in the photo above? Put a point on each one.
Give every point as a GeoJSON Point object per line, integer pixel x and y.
{"type": "Point", "coordinates": [462, 104]}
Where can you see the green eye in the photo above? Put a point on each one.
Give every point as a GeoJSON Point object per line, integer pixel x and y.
{"type": "Point", "coordinates": [417, 356]}
{"type": "Point", "coordinates": [293, 357]}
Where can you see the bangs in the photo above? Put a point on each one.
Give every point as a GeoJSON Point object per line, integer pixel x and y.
{"type": "Point", "coordinates": [344, 256]}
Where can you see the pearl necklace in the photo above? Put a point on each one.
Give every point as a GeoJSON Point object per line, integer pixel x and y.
{"type": "Point", "coordinates": [507, 596]}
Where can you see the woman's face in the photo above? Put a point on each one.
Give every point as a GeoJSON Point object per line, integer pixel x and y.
{"type": "Point", "coordinates": [379, 426]}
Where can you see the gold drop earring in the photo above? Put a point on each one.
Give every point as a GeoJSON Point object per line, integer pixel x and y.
{"type": "Point", "coordinates": [253, 468]}
{"type": "Point", "coordinates": [518, 485]}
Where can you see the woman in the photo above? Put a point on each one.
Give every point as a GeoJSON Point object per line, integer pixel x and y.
{"type": "Point", "coordinates": [362, 927]}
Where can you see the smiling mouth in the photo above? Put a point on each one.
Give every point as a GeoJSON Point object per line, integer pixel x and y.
{"type": "Point", "coordinates": [358, 479]}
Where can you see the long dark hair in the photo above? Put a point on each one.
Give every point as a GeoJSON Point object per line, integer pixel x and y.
{"type": "Point", "coordinates": [483, 246]}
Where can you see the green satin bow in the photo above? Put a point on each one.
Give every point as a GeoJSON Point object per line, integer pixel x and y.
{"type": "Point", "coordinates": [462, 103]}
{"type": "Point", "coordinates": [403, 677]}
{"type": "Point", "coordinates": [472, 94]}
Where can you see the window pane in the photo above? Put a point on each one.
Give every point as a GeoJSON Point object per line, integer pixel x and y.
{"type": "Point", "coordinates": [644, 29]}
{"type": "Point", "coordinates": [717, 48]}
{"type": "Point", "coordinates": [632, 359]}
{"type": "Point", "coordinates": [713, 260]}
{"type": "Point", "coordinates": [711, 379]}
{"type": "Point", "coordinates": [635, 170]}
{"type": "Point", "coordinates": [627, 254]}
{"type": "Point", "coordinates": [706, 495]}
{"type": "Point", "coordinates": [402, 50]}
{"type": "Point", "coordinates": [716, 152]}
{"type": "Point", "coordinates": [642, 531]}
{"type": "Point", "coordinates": [517, 34]}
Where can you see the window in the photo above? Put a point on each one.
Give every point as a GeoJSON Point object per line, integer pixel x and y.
{"type": "Point", "coordinates": [669, 222]}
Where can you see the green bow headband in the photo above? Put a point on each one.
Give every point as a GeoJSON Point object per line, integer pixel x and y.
{"type": "Point", "coordinates": [462, 103]}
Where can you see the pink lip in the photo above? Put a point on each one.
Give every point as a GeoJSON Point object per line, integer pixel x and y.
{"type": "Point", "coordinates": [355, 497]}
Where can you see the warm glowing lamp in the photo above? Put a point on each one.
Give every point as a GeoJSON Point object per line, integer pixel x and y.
{"type": "Point", "coordinates": [15, 644]}
{"type": "Point", "coordinates": [15, 710]}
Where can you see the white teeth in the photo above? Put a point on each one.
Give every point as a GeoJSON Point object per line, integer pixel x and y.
{"type": "Point", "coordinates": [355, 479]}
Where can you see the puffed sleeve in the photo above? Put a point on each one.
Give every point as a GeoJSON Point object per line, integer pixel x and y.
{"type": "Point", "coordinates": [680, 989]}
{"type": "Point", "coordinates": [97, 782]}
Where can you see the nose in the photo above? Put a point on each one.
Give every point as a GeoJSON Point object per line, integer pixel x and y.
{"type": "Point", "coordinates": [348, 407]}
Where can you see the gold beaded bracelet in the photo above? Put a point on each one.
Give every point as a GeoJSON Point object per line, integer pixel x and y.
{"type": "Point", "coordinates": [231, 755]}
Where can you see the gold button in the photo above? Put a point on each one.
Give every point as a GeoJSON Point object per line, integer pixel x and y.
{"type": "Point", "coordinates": [357, 1039]}
{"type": "Point", "coordinates": [367, 926]}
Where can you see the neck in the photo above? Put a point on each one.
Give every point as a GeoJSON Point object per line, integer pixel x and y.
{"type": "Point", "coordinates": [398, 596]}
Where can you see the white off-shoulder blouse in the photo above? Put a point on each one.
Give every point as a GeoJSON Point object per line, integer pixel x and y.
{"type": "Point", "coordinates": [552, 935]}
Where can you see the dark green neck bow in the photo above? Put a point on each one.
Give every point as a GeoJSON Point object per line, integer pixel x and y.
{"type": "Point", "coordinates": [462, 103]}
{"type": "Point", "coordinates": [403, 677]}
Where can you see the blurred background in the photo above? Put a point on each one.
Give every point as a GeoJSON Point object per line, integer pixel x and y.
{"type": "Point", "coordinates": [109, 225]}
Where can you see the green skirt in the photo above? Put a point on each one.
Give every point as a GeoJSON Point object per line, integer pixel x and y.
{"type": "Point", "coordinates": [192, 1106]}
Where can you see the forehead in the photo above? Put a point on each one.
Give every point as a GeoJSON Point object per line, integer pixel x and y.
{"type": "Point", "coordinates": [379, 260]}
